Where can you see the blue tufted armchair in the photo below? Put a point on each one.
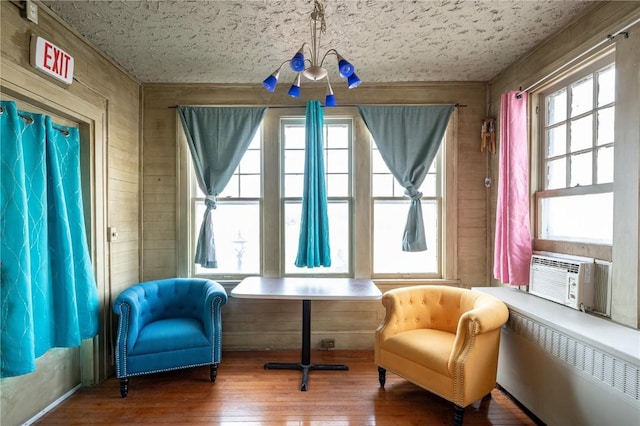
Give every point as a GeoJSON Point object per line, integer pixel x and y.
{"type": "Point", "coordinates": [166, 325]}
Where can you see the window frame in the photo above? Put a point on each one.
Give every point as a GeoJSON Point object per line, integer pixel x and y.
{"type": "Point", "coordinates": [438, 198]}
{"type": "Point", "coordinates": [361, 204]}
{"type": "Point", "coordinates": [284, 199]}
{"type": "Point", "coordinates": [590, 66]}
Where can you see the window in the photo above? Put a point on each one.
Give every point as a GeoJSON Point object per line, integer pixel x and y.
{"type": "Point", "coordinates": [236, 219]}
{"type": "Point", "coordinates": [390, 208]}
{"type": "Point", "coordinates": [337, 160]}
{"type": "Point", "coordinates": [575, 202]}
{"type": "Point", "coordinates": [258, 215]}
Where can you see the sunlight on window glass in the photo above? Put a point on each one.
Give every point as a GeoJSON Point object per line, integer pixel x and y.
{"type": "Point", "coordinates": [582, 96]}
{"type": "Point", "coordinates": [337, 136]}
{"type": "Point", "coordinates": [581, 133]}
{"type": "Point", "coordinates": [237, 237]}
{"type": "Point", "coordinates": [339, 232]}
{"type": "Point", "coordinates": [556, 141]}
{"type": "Point", "coordinates": [581, 169]}
{"type": "Point", "coordinates": [557, 107]}
{"type": "Point", "coordinates": [389, 222]}
{"type": "Point", "coordinates": [587, 218]}
{"type": "Point", "coordinates": [250, 162]}
{"type": "Point", "coordinates": [606, 126]}
{"type": "Point", "coordinates": [606, 86]}
{"type": "Point", "coordinates": [245, 181]}
{"type": "Point", "coordinates": [294, 136]}
{"type": "Point", "coordinates": [556, 176]}
{"type": "Point", "coordinates": [605, 164]}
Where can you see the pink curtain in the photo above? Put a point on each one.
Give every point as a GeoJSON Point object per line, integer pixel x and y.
{"type": "Point", "coordinates": [513, 236]}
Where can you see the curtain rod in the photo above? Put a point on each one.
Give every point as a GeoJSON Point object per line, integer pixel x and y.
{"type": "Point", "coordinates": [29, 120]}
{"type": "Point", "coordinates": [610, 37]}
{"type": "Point", "coordinates": [337, 106]}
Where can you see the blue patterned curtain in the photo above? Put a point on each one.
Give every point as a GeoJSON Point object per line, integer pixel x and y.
{"type": "Point", "coordinates": [313, 244]}
{"type": "Point", "coordinates": [218, 138]}
{"type": "Point", "coordinates": [48, 295]}
{"type": "Point", "coordinates": [408, 138]}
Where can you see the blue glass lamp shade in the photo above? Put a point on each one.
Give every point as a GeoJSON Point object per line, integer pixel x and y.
{"type": "Point", "coordinates": [297, 62]}
{"type": "Point", "coordinates": [294, 90]}
{"type": "Point", "coordinates": [270, 82]}
{"type": "Point", "coordinates": [344, 67]}
{"type": "Point", "coordinates": [330, 100]}
{"type": "Point", "coordinates": [353, 81]}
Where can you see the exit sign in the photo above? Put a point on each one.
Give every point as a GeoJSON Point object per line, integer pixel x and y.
{"type": "Point", "coordinates": [50, 59]}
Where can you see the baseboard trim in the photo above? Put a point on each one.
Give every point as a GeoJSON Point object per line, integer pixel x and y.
{"type": "Point", "coordinates": [51, 406]}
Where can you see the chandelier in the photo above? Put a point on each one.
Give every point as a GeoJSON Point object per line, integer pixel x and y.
{"type": "Point", "coordinates": [313, 68]}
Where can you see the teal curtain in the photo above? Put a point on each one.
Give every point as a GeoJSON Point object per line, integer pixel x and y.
{"type": "Point", "coordinates": [218, 138]}
{"type": "Point", "coordinates": [313, 244]}
{"type": "Point", "coordinates": [408, 138]}
{"type": "Point", "coordinates": [48, 295]}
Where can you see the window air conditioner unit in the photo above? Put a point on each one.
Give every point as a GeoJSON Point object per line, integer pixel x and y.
{"type": "Point", "coordinates": [565, 280]}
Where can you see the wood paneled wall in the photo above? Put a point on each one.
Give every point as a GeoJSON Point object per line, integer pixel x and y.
{"type": "Point", "coordinates": [105, 101]}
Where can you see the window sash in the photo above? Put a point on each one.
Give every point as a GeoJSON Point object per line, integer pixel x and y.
{"type": "Point", "coordinates": [576, 166]}
{"type": "Point", "coordinates": [339, 183]}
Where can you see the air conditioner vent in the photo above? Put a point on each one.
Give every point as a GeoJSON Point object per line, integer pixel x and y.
{"type": "Point", "coordinates": [556, 264]}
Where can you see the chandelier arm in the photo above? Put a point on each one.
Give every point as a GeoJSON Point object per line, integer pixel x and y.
{"type": "Point", "coordinates": [334, 51]}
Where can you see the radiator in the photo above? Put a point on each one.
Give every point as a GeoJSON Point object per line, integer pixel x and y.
{"type": "Point", "coordinates": [565, 374]}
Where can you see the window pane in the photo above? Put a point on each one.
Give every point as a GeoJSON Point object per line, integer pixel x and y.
{"type": "Point", "coordinates": [606, 126]}
{"type": "Point", "coordinates": [581, 133]}
{"type": "Point", "coordinates": [382, 185]}
{"type": "Point", "coordinates": [582, 96]}
{"type": "Point", "coordinates": [428, 187]}
{"type": "Point", "coordinates": [250, 162]}
{"type": "Point", "coordinates": [377, 163]}
{"type": "Point", "coordinates": [587, 218]}
{"type": "Point", "coordinates": [338, 185]}
{"type": "Point", "coordinates": [337, 136]}
{"type": "Point", "coordinates": [606, 86]}
{"type": "Point", "coordinates": [293, 185]}
{"type": "Point", "coordinates": [581, 169]}
{"type": "Point", "coordinates": [557, 141]}
{"type": "Point", "coordinates": [388, 228]}
{"type": "Point", "coordinates": [232, 189]}
{"type": "Point", "coordinates": [398, 190]}
{"type": "Point", "coordinates": [556, 173]}
{"type": "Point", "coordinates": [557, 107]}
{"type": "Point", "coordinates": [237, 236]}
{"type": "Point", "coordinates": [293, 161]}
{"type": "Point", "coordinates": [339, 231]}
{"type": "Point", "coordinates": [294, 136]}
{"type": "Point", "coordinates": [605, 165]}
{"type": "Point", "coordinates": [250, 186]}
{"type": "Point", "coordinates": [337, 161]}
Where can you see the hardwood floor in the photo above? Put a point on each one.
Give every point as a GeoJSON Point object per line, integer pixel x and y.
{"type": "Point", "coordinates": [247, 394]}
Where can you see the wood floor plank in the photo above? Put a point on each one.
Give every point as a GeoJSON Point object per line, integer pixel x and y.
{"type": "Point", "coordinates": [247, 394]}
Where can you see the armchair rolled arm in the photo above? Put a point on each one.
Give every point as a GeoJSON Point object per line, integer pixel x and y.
{"type": "Point", "coordinates": [488, 314]}
{"type": "Point", "coordinates": [214, 297]}
{"type": "Point", "coordinates": [127, 307]}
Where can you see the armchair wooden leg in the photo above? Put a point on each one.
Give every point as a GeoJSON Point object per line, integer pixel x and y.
{"type": "Point", "coordinates": [124, 387]}
{"type": "Point", "coordinates": [458, 413]}
{"type": "Point", "coordinates": [213, 372]}
{"type": "Point", "coordinates": [382, 376]}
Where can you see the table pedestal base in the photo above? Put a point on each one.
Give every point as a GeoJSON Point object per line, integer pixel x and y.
{"type": "Point", "coordinates": [305, 364]}
{"type": "Point", "coordinates": [305, 368]}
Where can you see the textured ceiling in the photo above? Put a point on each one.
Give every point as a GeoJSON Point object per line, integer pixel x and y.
{"type": "Point", "coordinates": [244, 41]}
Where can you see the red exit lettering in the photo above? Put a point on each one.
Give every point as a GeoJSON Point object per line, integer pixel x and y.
{"type": "Point", "coordinates": [56, 60]}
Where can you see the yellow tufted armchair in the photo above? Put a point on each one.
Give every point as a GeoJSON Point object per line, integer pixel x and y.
{"type": "Point", "coordinates": [443, 339]}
